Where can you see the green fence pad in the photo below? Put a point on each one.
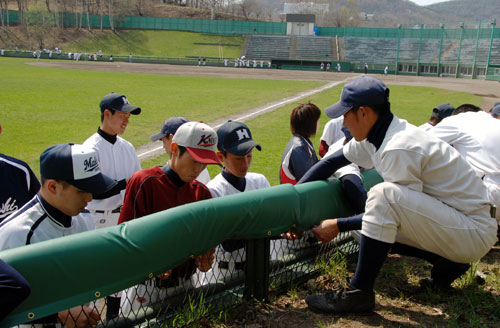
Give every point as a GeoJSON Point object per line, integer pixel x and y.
{"type": "Point", "coordinates": [76, 269]}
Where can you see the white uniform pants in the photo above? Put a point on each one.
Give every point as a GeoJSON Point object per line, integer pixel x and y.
{"type": "Point", "coordinates": [396, 213]}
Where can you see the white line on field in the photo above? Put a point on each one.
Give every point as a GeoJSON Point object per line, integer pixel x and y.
{"type": "Point", "coordinates": [272, 106]}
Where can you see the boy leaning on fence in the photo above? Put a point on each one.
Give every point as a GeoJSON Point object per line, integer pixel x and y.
{"type": "Point", "coordinates": [235, 145]}
{"type": "Point", "coordinates": [71, 175]}
{"type": "Point", "coordinates": [160, 188]}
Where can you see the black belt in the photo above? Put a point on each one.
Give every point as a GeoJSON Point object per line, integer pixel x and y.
{"type": "Point", "coordinates": [116, 210]}
{"type": "Point", "coordinates": [237, 265]}
{"type": "Point", "coordinates": [493, 211]}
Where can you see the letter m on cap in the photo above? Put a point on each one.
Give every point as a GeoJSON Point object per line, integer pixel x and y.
{"type": "Point", "coordinates": [242, 134]}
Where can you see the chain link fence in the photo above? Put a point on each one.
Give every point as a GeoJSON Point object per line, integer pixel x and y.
{"type": "Point", "coordinates": [242, 269]}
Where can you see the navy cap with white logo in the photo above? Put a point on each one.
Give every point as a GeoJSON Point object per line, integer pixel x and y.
{"type": "Point", "coordinates": [118, 102]}
{"type": "Point", "coordinates": [169, 127]}
{"type": "Point", "coordinates": [77, 165]}
{"type": "Point", "coordinates": [236, 138]}
{"type": "Point", "coordinates": [362, 91]}
{"type": "Point", "coordinates": [200, 141]}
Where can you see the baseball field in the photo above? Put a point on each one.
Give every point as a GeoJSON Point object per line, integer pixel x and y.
{"type": "Point", "coordinates": [48, 102]}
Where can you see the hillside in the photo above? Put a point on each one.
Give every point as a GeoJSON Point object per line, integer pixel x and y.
{"type": "Point", "coordinates": [469, 10]}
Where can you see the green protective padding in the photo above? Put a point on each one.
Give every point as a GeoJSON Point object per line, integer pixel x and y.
{"type": "Point", "coordinates": [76, 269]}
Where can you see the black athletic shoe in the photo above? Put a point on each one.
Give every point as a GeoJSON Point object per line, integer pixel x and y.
{"type": "Point", "coordinates": [342, 301]}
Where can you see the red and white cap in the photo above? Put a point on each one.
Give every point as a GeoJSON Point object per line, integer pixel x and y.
{"type": "Point", "coordinates": [200, 141]}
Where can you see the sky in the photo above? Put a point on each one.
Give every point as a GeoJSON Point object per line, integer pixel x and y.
{"type": "Point", "coordinates": [426, 2]}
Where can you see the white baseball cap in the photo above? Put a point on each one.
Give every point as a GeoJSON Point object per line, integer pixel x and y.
{"type": "Point", "coordinates": [200, 141]}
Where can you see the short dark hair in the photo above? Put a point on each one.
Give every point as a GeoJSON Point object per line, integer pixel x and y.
{"type": "Point", "coordinates": [182, 150]}
{"type": "Point", "coordinates": [304, 119]}
{"type": "Point", "coordinates": [466, 108]}
{"type": "Point", "coordinates": [102, 114]}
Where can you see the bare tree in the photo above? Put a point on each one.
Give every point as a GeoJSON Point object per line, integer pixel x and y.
{"type": "Point", "coordinates": [39, 22]}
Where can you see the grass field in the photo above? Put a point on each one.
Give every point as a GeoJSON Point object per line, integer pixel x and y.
{"type": "Point", "coordinates": [159, 44]}
{"type": "Point", "coordinates": [44, 106]}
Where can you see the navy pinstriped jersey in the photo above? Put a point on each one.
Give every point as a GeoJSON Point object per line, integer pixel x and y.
{"type": "Point", "coordinates": [18, 185]}
{"type": "Point", "coordinates": [38, 221]}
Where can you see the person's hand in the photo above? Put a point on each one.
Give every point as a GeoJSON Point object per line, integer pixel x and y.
{"type": "Point", "coordinates": [165, 275]}
{"type": "Point", "coordinates": [291, 234]}
{"type": "Point", "coordinates": [204, 261]}
{"type": "Point", "coordinates": [326, 230]}
{"type": "Point", "coordinates": [79, 317]}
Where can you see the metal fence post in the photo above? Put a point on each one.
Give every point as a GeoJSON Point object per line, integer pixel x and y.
{"type": "Point", "coordinates": [257, 269]}
{"type": "Point", "coordinates": [462, 27]}
{"type": "Point", "coordinates": [493, 24]}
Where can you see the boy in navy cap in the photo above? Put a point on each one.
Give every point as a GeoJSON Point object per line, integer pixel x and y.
{"type": "Point", "coordinates": [118, 160]}
{"type": "Point", "coordinates": [71, 175]}
{"type": "Point", "coordinates": [235, 150]}
{"type": "Point", "coordinates": [438, 114]}
{"type": "Point", "coordinates": [421, 209]}
{"type": "Point", "coordinates": [166, 135]}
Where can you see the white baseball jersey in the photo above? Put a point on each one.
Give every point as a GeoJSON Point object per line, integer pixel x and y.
{"type": "Point", "coordinates": [219, 186]}
{"type": "Point", "coordinates": [348, 169]}
{"type": "Point", "coordinates": [118, 161]}
{"type": "Point", "coordinates": [476, 136]}
{"type": "Point", "coordinates": [204, 177]}
{"type": "Point", "coordinates": [426, 126]}
{"type": "Point", "coordinates": [332, 132]}
{"type": "Point", "coordinates": [430, 195]}
{"type": "Point", "coordinates": [38, 221]}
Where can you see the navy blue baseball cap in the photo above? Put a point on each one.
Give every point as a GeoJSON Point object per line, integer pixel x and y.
{"type": "Point", "coordinates": [236, 138]}
{"type": "Point", "coordinates": [77, 165]}
{"type": "Point", "coordinates": [169, 127]}
{"type": "Point", "coordinates": [444, 110]}
{"type": "Point", "coordinates": [496, 110]}
{"type": "Point", "coordinates": [118, 102]}
{"type": "Point", "coordinates": [362, 91]}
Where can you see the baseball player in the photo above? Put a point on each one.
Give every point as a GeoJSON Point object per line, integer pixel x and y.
{"type": "Point", "coordinates": [332, 132]}
{"type": "Point", "coordinates": [495, 111]}
{"type": "Point", "coordinates": [235, 145]}
{"type": "Point", "coordinates": [421, 208]}
{"type": "Point", "coordinates": [118, 160]}
{"type": "Point", "coordinates": [299, 154]}
{"type": "Point", "coordinates": [166, 135]}
{"type": "Point", "coordinates": [475, 136]}
{"type": "Point", "coordinates": [19, 184]}
{"type": "Point", "coordinates": [159, 188]}
{"type": "Point", "coordinates": [70, 176]}
{"type": "Point", "coordinates": [438, 114]}
{"type": "Point", "coordinates": [14, 289]}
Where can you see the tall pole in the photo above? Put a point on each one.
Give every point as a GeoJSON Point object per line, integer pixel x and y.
{"type": "Point", "coordinates": [475, 51]}
{"type": "Point", "coordinates": [493, 24]}
{"type": "Point", "coordinates": [420, 49]}
{"type": "Point", "coordinates": [440, 50]}
{"type": "Point", "coordinates": [397, 51]}
{"type": "Point", "coordinates": [459, 49]}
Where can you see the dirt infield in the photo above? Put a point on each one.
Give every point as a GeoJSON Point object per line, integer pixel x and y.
{"type": "Point", "coordinates": [488, 90]}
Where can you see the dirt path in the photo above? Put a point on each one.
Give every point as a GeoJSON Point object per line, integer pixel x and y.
{"type": "Point", "coordinates": [488, 90]}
